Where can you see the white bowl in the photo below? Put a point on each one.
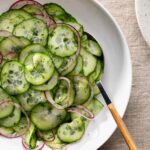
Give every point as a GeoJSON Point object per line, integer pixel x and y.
{"type": "Point", "coordinates": [142, 8]}
{"type": "Point", "coordinates": [117, 76]}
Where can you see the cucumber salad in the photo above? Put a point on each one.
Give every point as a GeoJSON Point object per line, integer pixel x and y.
{"type": "Point", "coordinates": [49, 67]}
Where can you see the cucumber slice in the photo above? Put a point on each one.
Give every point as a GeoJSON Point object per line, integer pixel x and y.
{"type": "Point", "coordinates": [77, 26]}
{"type": "Point", "coordinates": [31, 98]}
{"type": "Point", "coordinates": [31, 49]}
{"type": "Point", "coordinates": [11, 120]}
{"type": "Point", "coordinates": [82, 89]}
{"type": "Point", "coordinates": [64, 18]}
{"type": "Point", "coordinates": [25, 42]}
{"type": "Point", "coordinates": [96, 90]}
{"type": "Point", "coordinates": [46, 135]}
{"type": "Point", "coordinates": [91, 45]}
{"type": "Point", "coordinates": [30, 137]}
{"type": "Point", "coordinates": [38, 68]}
{"type": "Point", "coordinates": [32, 9]}
{"type": "Point", "coordinates": [6, 131]}
{"type": "Point", "coordinates": [62, 96]}
{"type": "Point", "coordinates": [84, 37]}
{"type": "Point", "coordinates": [95, 106]}
{"type": "Point", "coordinates": [54, 9]}
{"type": "Point", "coordinates": [12, 78]}
{"type": "Point", "coordinates": [56, 144]}
{"type": "Point", "coordinates": [1, 38]}
{"type": "Point", "coordinates": [68, 65]}
{"type": "Point", "coordinates": [71, 132]}
{"type": "Point", "coordinates": [62, 42]}
{"type": "Point", "coordinates": [78, 68]}
{"type": "Point", "coordinates": [33, 142]}
{"type": "Point", "coordinates": [11, 18]}
{"type": "Point", "coordinates": [58, 61]}
{"type": "Point", "coordinates": [45, 117]}
{"type": "Point", "coordinates": [89, 62]}
{"type": "Point", "coordinates": [5, 111]}
{"type": "Point", "coordinates": [11, 46]}
{"type": "Point", "coordinates": [48, 86]}
{"type": "Point", "coordinates": [33, 29]}
{"type": "Point", "coordinates": [21, 126]}
{"type": "Point", "coordinates": [98, 70]}
{"type": "Point", "coordinates": [102, 69]}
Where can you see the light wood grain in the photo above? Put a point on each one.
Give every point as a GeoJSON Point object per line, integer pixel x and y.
{"type": "Point", "coordinates": [137, 117]}
{"type": "Point", "coordinates": [122, 127]}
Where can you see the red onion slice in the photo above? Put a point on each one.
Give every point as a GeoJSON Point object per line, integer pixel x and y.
{"type": "Point", "coordinates": [82, 111]}
{"type": "Point", "coordinates": [50, 99]}
{"type": "Point", "coordinates": [19, 4]}
{"type": "Point", "coordinates": [4, 33]}
{"type": "Point", "coordinates": [40, 145]}
{"type": "Point", "coordinates": [10, 55]}
{"type": "Point", "coordinates": [47, 19]}
{"type": "Point", "coordinates": [15, 135]}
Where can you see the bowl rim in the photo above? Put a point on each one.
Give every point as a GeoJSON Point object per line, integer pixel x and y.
{"type": "Point", "coordinates": [139, 22]}
{"type": "Point", "coordinates": [128, 62]}
{"type": "Point", "coordinates": [128, 59]}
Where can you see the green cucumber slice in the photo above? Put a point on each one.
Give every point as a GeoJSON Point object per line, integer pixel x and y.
{"type": "Point", "coordinates": [62, 96]}
{"type": "Point", "coordinates": [49, 85]}
{"type": "Point", "coordinates": [12, 45]}
{"type": "Point", "coordinates": [71, 132]}
{"type": "Point", "coordinates": [34, 48]}
{"type": "Point", "coordinates": [82, 89]}
{"type": "Point", "coordinates": [56, 144]}
{"type": "Point", "coordinates": [13, 79]}
{"type": "Point", "coordinates": [31, 98]}
{"type": "Point", "coordinates": [78, 68]}
{"type": "Point", "coordinates": [45, 117]}
{"type": "Point", "coordinates": [96, 74]}
{"type": "Point", "coordinates": [77, 26]}
{"type": "Point", "coordinates": [62, 41]}
{"type": "Point", "coordinates": [33, 29]}
{"type": "Point", "coordinates": [38, 68]}
{"type": "Point", "coordinates": [58, 61]}
{"type": "Point", "coordinates": [95, 106]}
{"type": "Point", "coordinates": [11, 120]}
{"type": "Point", "coordinates": [64, 18]}
{"type": "Point", "coordinates": [6, 131]}
{"type": "Point", "coordinates": [68, 65]}
{"type": "Point", "coordinates": [91, 45]}
{"type": "Point", "coordinates": [58, 13]}
{"type": "Point", "coordinates": [89, 62]}
{"type": "Point", "coordinates": [46, 135]}
{"type": "Point", "coordinates": [29, 137]}
{"type": "Point", "coordinates": [96, 90]}
{"type": "Point", "coordinates": [32, 9]}
{"type": "Point", "coordinates": [54, 9]}
{"type": "Point", "coordinates": [5, 111]}
{"type": "Point", "coordinates": [21, 126]}
{"type": "Point", "coordinates": [11, 18]}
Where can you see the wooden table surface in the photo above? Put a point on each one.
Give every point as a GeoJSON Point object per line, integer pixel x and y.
{"type": "Point", "coordinates": [137, 116]}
